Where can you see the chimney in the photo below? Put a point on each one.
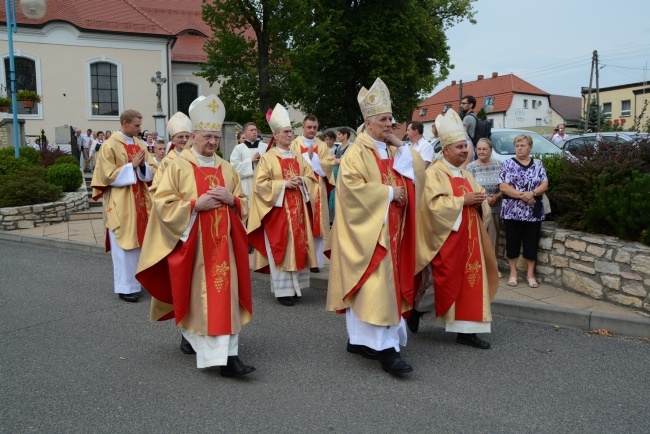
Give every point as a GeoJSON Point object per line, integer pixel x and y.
{"type": "Point", "coordinates": [480, 77]}
{"type": "Point", "coordinates": [495, 74]}
{"type": "Point", "coordinates": [453, 82]}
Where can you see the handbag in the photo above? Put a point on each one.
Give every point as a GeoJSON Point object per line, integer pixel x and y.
{"type": "Point", "coordinates": [546, 204]}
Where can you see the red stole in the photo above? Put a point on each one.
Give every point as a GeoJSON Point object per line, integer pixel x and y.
{"type": "Point", "coordinates": [139, 193]}
{"type": "Point", "coordinates": [276, 222]}
{"type": "Point", "coordinates": [170, 280]}
{"type": "Point", "coordinates": [401, 229]}
{"type": "Point", "coordinates": [460, 249]}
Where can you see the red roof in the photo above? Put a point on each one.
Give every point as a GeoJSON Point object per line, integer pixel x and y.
{"type": "Point", "coordinates": [502, 88]}
{"type": "Point", "coordinates": [167, 18]}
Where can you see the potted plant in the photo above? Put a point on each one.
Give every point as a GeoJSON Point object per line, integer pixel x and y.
{"type": "Point", "coordinates": [5, 103]}
{"type": "Point", "coordinates": [28, 98]}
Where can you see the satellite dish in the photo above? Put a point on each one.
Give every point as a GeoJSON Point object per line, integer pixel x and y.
{"type": "Point", "coordinates": [33, 9]}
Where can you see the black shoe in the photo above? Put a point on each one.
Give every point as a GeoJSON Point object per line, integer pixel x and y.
{"type": "Point", "coordinates": [186, 347]}
{"type": "Point", "coordinates": [131, 298]}
{"type": "Point", "coordinates": [296, 297]}
{"type": "Point", "coordinates": [472, 340]}
{"type": "Point", "coordinates": [392, 362]}
{"type": "Point", "coordinates": [413, 323]}
{"type": "Point", "coordinates": [285, 301]}
{"type": "Point", "coordinates": [314, 270]}
{"type": "Point", "coordinates": [364, 351]}
{"type": "Point", "coordinates": [235, 368]}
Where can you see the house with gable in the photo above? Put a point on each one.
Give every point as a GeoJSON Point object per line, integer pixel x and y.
{"type": "Point", "coordinates": [509, 102]}
{"type": "Point", "coordinates": [92, 59]}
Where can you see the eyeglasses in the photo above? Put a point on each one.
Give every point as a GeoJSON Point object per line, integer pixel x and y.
{"type": "Point", "coordinates": [182, 136]}
{"type": "Point", "coordinates": [208, 137]}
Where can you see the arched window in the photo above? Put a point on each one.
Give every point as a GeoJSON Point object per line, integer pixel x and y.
{"type": "Point", "coordinates": [104, 89]}
{"type": "Point", "coordinates": [25, 79]}
{"type": "Point", "coordinates": [185, 94]}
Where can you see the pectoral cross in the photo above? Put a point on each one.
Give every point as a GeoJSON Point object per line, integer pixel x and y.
{"type": "Point", "coordinates": [158, 80]}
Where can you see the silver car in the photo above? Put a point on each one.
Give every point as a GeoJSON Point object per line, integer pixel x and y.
{"type": "Point", "coordinates": [574, 143]}
{"type": "Point", "coordinates": [503, 143]}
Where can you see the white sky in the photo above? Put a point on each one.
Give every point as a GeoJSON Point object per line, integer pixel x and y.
{"type": "Point", "coordinates": [549, 43]}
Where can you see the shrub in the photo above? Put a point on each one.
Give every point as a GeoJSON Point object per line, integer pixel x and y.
{"type": "Point", "coordinates": [67, 176]}
{"type": "Point", "coordinates": [622, 209]}
{"type": "Point", "coordinates": [67, 159]}
{"type": "Point", "coordinates": [12, 165]}
{"type": "Point", "coordinates": [26, 152]}
{"type": "Point", "coordinates": [49, 156]}
{"type": "Point", "coordinates": [16, 190]}
{"type": "Point", "coordinates": [580, 177]}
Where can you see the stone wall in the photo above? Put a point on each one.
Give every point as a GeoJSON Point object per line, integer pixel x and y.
{"type": "Point", "coordinates": [599, 266]}
{"type": "Point", "coordinates": [29, 216]}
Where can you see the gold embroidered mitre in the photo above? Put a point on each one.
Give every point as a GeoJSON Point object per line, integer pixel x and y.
{"type": "Point", "coordinates": [279, 118]}
{"type": "Point", "coordinates": [178, 123]}
{"type": "Point", "coordinates": [207, 113]}
{"type": "Point", "coordinates": [450, 128]}
{"type": "Point", "coordinates": [374, 101]}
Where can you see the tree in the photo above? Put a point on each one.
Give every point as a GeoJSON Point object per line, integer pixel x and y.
{"type": "Point", "coordinates": [316, 54]}
{"type": "Point", "coordinates": [592, 118]}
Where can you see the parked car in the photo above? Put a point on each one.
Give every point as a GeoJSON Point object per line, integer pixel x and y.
{"type": "Point", "coordinates": [592, 139]}
{"type": "Point", "coordinates": [503, 145]}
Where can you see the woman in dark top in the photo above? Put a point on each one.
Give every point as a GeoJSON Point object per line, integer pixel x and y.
{"type": "Point", "coordinates": [522, 181]}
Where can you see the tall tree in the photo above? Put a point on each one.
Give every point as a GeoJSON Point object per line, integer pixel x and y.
{"type": "Point", "coordinates": [316, 54]}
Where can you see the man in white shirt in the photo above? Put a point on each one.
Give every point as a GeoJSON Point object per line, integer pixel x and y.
{"type": "Point", "coordinates": [85, 148]}
{"type": "Point", "coordinates": [559, 135]}
{"type": "Point", "coordinates": [414, 131]}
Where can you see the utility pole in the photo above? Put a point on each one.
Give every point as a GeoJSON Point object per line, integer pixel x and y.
{"type": "Point", "coordinates": [597, 93]}
{"type": "Point", "coordinates": [588, 109]}
{"type": "Point", "coordinates": [460, 95]}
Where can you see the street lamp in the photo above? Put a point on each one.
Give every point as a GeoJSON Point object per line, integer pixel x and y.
{"type": "Point", "coordinates": [34, 9]}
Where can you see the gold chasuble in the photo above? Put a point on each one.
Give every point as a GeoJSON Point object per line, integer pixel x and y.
{"type": "Point", "coordinates": [200, 278]}
{"type": "Point", "coordinates": [372, 246]}
{"type": "Point", "coordinates": [288, 227]}
{"type": "Point", "coordinates": [171, 156]}
{"type": "Point", "coordinates": [464, 265]}
{"type": "Point", "coordinates": [126, 208]}
{"type": "Point", "coordinates": [318, 202]}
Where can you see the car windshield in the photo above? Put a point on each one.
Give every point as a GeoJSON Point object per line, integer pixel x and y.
{"type": "Point", "coordinates": [503, 142]}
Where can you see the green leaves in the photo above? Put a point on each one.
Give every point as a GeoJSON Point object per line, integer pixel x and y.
{"type": "Point", "coordinates": [317, 54]}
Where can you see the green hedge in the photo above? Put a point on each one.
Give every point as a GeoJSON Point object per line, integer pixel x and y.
{"type": "Point", "coordinates": [600, 190]}
{"type": "Point", "coordinates": [26, 153]}
{"type": "Point", "coordinates": [67, 159]}
{"type": "Point", "coordinates": [18, 190]}
{"type": "Point", "coordinates": [67, 176]}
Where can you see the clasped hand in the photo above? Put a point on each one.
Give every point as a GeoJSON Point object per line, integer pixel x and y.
{"type": "Point", "coordinates": [213, 199]}
{"type": "Point", "coordinates": [294, 182]}
{"type": "Point", "coordinates": [138, 160]}
{"type": "Point", "coordinates": [474, 198]}
{"type": "Point", "coordinates": [528, 197]}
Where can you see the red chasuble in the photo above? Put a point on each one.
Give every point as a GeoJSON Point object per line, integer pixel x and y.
{"type": "Point", "coordinates": [170, 280]}
{"type": "Point", "coordinates": [276, 222]}
{"type": "Point", "coordinates": [458, 266]}
{"type": "Point", "coordinates": [401, 227]}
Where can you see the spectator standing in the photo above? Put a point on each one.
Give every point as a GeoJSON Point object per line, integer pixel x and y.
{"type": "Point", "coordinates": [343, 137]}
{"type": "Point", "coordinates": [522, 181]}
{"type": "Point", "coordinates": [94, 148]}
{"type": "Point", "coordinates": [485, 171]}
{"type": "Point", "coordinates": [330, 141]}
{"type": "Point", "coordinates": [414, 131]}
{"type": "Point", "coordinates": [467, 105]}
{"type": "Point", "coordinates": [559, 135]}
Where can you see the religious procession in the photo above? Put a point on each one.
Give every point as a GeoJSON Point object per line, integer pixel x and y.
{"type": "Point", "coordinates": [405, 245]}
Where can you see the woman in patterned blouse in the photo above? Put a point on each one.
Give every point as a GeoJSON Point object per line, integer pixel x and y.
{"type": "Point", "coordinates": [485, 171]}
{"type": "Point", "coordinates": [522, 181]}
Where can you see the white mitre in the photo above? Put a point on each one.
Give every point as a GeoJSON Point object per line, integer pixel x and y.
{"type": "Point", "coordinates": [279, 118]}
{"type": "Point", "coordinates": [374, 101]}
{"type": "Point", "coordinates": [178, 123]}
{"type": "Point", "coordinates": [450, 128]}
{"type": "Point", "coordinates": [207, 113]}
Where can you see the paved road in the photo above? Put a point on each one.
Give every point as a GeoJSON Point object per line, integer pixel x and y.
{"type": "Point", "coordinates": [76, 359]}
